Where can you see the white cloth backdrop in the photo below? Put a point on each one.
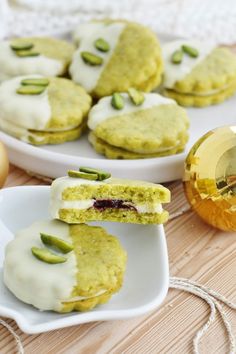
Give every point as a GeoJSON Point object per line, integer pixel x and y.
{"type": "Point", "coordinates": [213, 19]}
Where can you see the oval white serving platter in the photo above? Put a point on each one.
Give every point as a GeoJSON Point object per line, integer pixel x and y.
{"type": "Point", "coordinates": [146, 278]}
{"type": "Point", "coordinates": [54, 160]}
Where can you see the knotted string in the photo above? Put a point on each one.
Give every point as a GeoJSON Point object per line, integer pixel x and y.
{"type": "Point", "coordinates": [213, 299]}
{"type": "Point", "coordinates": [20, 349]}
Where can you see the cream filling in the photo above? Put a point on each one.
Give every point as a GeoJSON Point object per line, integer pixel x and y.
{"type": "Point", "coordinates": [85, 74]}
{"type": "Point", "coordinates": [35, 282]}
{"type": "Point", "coordinates": [11, 65]}
{"type": "Point", "coordinates": [177, 72]}
{"type": "Point", "coordinates": [79, 298]}
{"type": "Point", "coordinates": [57, 204]}
{"type": "Point", "coordinates": [93, 139]}
{"type": "Point", "coordinates": [103, 110]}
{"type": "Point", "coordinates": [24, 134]}
{"type": "Point", "coordinates": [28, 111]}
{"type": "Point", "coordinates": [205, 94]}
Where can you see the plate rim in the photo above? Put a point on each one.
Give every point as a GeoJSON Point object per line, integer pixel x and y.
{"type": "Point", "coordinates": [86, 317]}
{"type": "Point", "coordinates": [32, 150]}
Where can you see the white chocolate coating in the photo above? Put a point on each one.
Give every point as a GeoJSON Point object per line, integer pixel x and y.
{"type": "Point", "coordinates": [35, 282]}
{"type": "Point", "coordinates": [11, 65]}
{"type": "Point", "coordinates": [18, 132]}
{"type": "Point", "coordinates": [87, 29]}
{"type": "Point", "coordinates": [103, 109]}
{"type": "Point", "coordinates": [85, 74]}
{"type": "Point", "coordinates": [26, 111]}
{"type": "Point", "coordinates": [176, 72]}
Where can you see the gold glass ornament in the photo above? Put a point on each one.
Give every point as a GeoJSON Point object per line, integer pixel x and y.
{"type": "Point", "coordinates": [210, 178]}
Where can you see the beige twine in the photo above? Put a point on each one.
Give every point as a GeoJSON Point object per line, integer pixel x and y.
{"type": "Point", "coordinates": [20, 349]}
{"type": "Point", "coordinates": [211, 297]}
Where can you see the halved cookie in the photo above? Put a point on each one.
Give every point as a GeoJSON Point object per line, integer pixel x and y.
{"type": "Point", "coordinates": [83, 197]}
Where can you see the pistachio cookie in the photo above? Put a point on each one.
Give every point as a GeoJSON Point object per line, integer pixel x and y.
{"type": "Point", "coordinates": [91, 195]}
{"type": "Point", "coordinates": [43, 56]}
{"type": "Point", "coordinates": [198, 73]}
{"type": "Point", "coordinates": [60, 267]}
{"type": "Point", "coordinates": [41, 110]}
{"type": "Point", "coordinates": [115, 55]}
{"type": "Point", "coordinates": [137, 125]}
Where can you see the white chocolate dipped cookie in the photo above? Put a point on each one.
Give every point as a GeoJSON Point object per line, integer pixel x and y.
{"type": "Point", "coordinates": [36, 55]}
{"type": "Point", "coordinates": [198, 73]}
{"type": "Point", "coordinates": [55, 266]}
{"type": "Point", "coordinates": [137, 125]}
{"type": "Point", "coordinates": [40, 110]}
{"type": "Point", "coordinates": [114, 56]}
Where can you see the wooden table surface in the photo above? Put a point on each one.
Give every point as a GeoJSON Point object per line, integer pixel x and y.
{"type": "Point", "coordinates": [196, 251]}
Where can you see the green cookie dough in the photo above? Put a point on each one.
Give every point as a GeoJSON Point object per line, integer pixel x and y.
{"type": "Point", "coordinates": [73, 216]}
{"type": "Point", "coordinates": [112, 152]}
{"type": "Point", "coordinates": [142, 67]}
{"type": "Point", "coordinates": [113, 199]}
{"type": "Point", "coordinates": [101, 264]}
{"type": "Point", "coordinates": [188, 99]}
{"type": "Point", "coordinates": [69, 102]}
{"type": "Point", "coordinates": [42, 138]}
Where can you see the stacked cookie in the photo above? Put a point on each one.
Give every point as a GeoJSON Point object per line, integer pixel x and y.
{"type": "Point", "coordinates": [136, 125]}
{"type": "Point", "coordinates": [64, 268]}
{"type": "Point", "coordinates": [198, 73]}
{"type": "Point", "coordinates": [41, 110]}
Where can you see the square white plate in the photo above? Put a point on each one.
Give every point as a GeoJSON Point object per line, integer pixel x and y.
{"type": "Point", "coordinates": [147, 275]}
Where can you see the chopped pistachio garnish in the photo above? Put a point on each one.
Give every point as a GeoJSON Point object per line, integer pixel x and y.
{"type": "Point", "coordinates": [57, 243]}
{"type": "Point", "coordinates": [26, 53]}
{"type": "Point", "coordinates": [102, 45]}
{"type": "Point", "coordinates": [177, 57]}
{"type": "Point", "coordinates": [117, 101]}
{"type": "Point", "coordinates": [30, 90]}
{"type": "Point", "coordinates": [21, 46]}
{"type": "Point", "coordinates": [136, 96]}
{"type": "Point", "coordinates": [35, 82]}
{"type": "Point", "coordinates": [91, 59]}
{"type": "Point", "coordinates": [47, 256]}
{"type": "Point", "coordinates": [102, 175]}
{"type": "Point", "coordinates": [191, 51]}
{"type": "Point", "coordinates": [78, 174]}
